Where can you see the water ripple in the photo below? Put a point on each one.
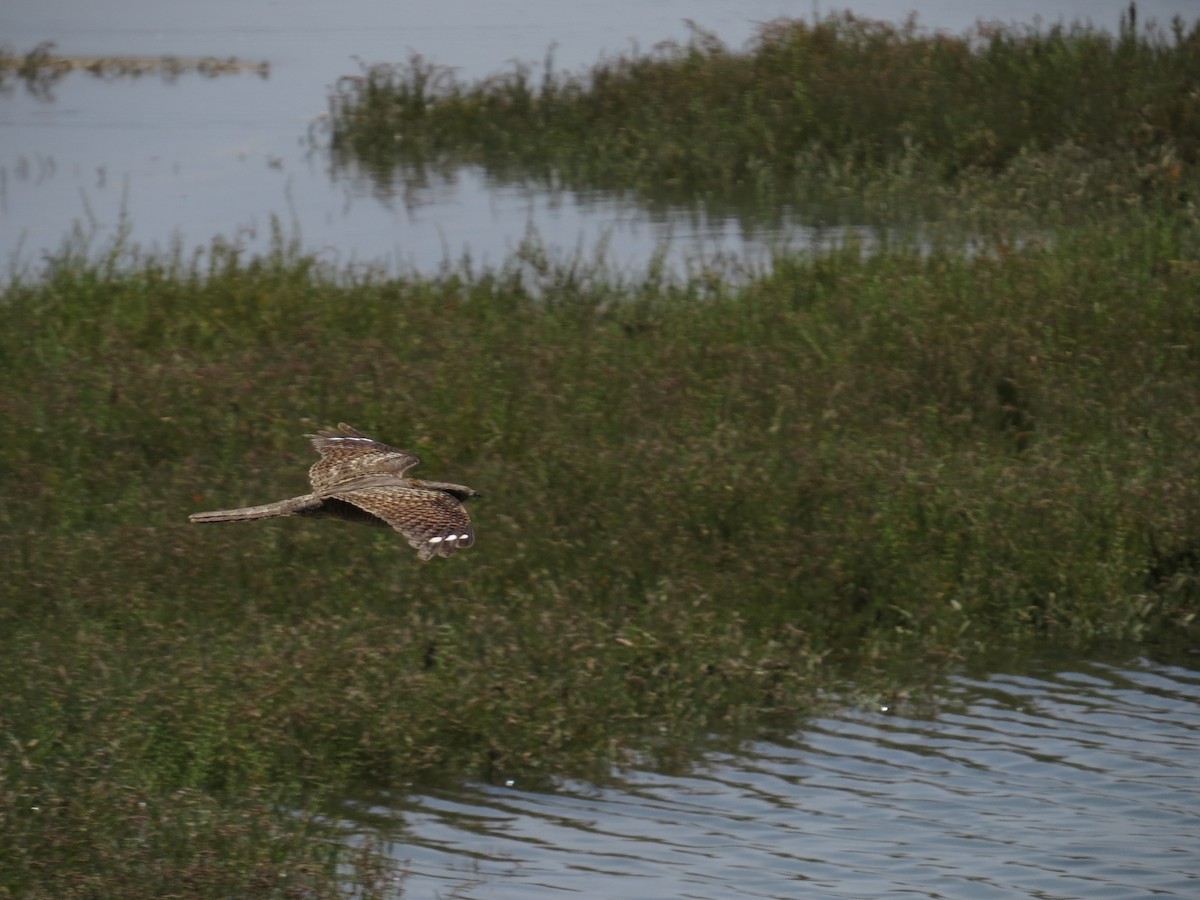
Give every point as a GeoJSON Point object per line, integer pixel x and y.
{"type": "Point", "coordinates": [1080, 783]}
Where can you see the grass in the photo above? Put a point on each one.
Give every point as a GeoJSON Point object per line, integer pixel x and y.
{"type": "Point", "coordinates": [701, 512]}
{"type": "Point", "coordinates": [842, 101]}
{"type": "Point", "coordinates": [708, 506]}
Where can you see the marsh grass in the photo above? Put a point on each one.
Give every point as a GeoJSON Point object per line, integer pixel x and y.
{"type": "Point", "coordinates": [706, 507]}
{"type": "Point", "coordinates": [709, 505]}
{"type": "Point", "coordinates": [838, 103]}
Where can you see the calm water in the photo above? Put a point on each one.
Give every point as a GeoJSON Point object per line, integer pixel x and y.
{"type": "Point", "coordinates": [198, 158]}
{"type": "Point", "coordinates": [1076, 781]}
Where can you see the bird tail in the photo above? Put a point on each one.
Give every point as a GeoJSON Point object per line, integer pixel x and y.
{"type": "Point", "coordinates": [267, 511]}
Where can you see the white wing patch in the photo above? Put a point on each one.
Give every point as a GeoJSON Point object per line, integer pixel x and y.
{"type": "Point", "coordinates": [449, 538]}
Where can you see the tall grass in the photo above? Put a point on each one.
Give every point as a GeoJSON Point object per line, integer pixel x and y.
{"type": "Point", "coordinates": [707, 505]}
{"type": "Point", "coordinates": [704, 507]}
{"type": "Point", "coordinates": [844, 98]}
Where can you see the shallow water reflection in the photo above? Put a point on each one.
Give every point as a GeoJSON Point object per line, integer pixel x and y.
{"type": "Point", "coordinates": [163, 165]}
{"type": "Point", "coordinates": [1059, 783]}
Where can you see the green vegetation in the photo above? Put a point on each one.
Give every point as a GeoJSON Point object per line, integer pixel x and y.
{"type": "Point", "coordinates": [842, 101]}
{"type": "Point", "coordinates": [41, 68]}
{"type": "Point", "coordinates": [707, 506]}
{"type": "Point", "coordinates": [699, 513]}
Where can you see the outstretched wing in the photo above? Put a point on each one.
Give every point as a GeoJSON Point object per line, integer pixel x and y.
{"type": "Point", "coordinates": [433, 521]}
{"type": "Point", "coordinates": [348, 453]}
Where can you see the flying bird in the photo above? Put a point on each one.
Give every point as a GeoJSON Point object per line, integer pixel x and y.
{"type": "Point", "coordinates": [359, 479]}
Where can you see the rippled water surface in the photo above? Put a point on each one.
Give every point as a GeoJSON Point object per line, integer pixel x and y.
{"type": "Point", "coordinates": [1076, 782]}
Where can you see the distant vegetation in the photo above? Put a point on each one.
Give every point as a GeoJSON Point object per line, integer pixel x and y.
{"type": "Point", "coordinates": [41, 68]}
{"type": "Point", "coordinates": [709, 506]}
{"type": "Point", "coordinates": [843, 100]}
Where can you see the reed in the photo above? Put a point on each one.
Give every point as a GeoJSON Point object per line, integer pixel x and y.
{"type": "Point", "coordinates": [842, 100]}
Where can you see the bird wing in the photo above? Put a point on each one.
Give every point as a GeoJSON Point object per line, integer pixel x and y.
{"type": "Point", "coordinates": [433, 521]}
{"type": "Point", "coordinates": [348, 453]}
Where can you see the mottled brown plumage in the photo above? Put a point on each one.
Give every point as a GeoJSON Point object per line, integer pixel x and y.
{"type": "Point", "coordinates": [358, 479]}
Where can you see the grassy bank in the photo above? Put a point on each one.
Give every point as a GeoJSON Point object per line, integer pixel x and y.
{"type": "Point", "coordinates": [699, 513]}
{"type": "Point", "coordinates": [707, 505]}
{"type": "Point", "coordinates": [843, 101]}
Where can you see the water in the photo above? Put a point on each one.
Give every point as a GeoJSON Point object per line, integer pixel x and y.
{"type": "Point", "coordinates": [183, 162]}
{"type": "Point", "coordinates": [1076, 781]}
